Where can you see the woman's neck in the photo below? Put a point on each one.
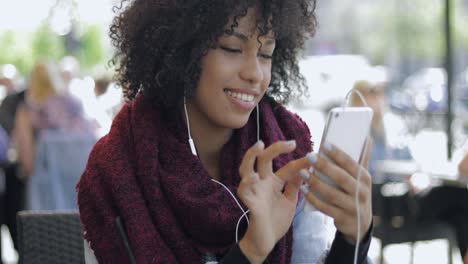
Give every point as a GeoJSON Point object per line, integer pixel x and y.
{"type": "Point", "coordinates": [209, 141]}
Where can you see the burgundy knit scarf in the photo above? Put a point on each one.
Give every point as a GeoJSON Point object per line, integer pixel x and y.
{"type": "Point", "coordinates": [144, 172]}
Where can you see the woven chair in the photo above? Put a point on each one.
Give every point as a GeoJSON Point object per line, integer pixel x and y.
{"type": "Point", "coordinates": [50, 237]}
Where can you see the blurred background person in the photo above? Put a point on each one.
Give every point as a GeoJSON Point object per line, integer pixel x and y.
{"type": "Point", "coordinates": [12, 197]}
{"type": "Point", "coordinates": [47, 107]}
{"type": "Point", "coordinates": [388, 131]}
{"type": "Point", "coordinates": [105, 101]}
{"type": "Point", "coordinates": [389, 142]}
{"type": "Point", "coordinates": [7, 73]}
{"type": "Point", "coordinates": [69, 68]}
{"type": "Point", "coordinates": [36, 112]}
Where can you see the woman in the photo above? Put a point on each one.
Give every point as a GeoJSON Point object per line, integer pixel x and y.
{"type": "Point", "coordinates": [205, 79]}
{"type": "Point", "coordinates": [46, 123]}
{"type": "Point", "coordinates": [46, 106]}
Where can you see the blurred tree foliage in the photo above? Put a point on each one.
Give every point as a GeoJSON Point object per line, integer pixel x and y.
{"type": "Point", "coordinates": [91, 50]}
{"type": "Point", "coordinates": [383, 28]}
{"type": "Point", "coordinates": [47, 45]}
{"type": "Point", "coordinates": [416, 28]}
{"type": "Point", "coordinates": [15, 49]}
{"type": "Point", "coordinates": [23, 50]}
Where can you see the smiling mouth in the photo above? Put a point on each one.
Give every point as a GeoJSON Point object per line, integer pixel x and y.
{"type": "Point", "coordinates": [241, 96]}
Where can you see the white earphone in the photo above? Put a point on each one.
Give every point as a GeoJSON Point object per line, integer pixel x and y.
{"type": "Point", "coordinates": [190, 140]}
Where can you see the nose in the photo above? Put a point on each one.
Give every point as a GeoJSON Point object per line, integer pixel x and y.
{"type": "Point", "coordinates": [251, 70]}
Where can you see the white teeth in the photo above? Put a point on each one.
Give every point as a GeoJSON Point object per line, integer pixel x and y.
{"type": "Point", "coordinates": [241, 96]}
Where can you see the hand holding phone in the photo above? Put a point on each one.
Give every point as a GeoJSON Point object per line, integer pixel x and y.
{"type": "Point", "coordinates": [347, 128]}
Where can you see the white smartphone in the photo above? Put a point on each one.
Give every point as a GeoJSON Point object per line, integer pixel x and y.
{"type": "Point", "coordinates": [347, 128]}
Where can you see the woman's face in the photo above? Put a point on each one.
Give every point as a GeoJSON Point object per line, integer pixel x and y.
{"type": "Point", "coordinates": [234, 76]}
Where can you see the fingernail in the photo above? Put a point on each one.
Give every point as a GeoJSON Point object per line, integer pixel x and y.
{"type": "Point", "coordinates": [304, 189]}
{"type": "Point", "coordinates": [291, 143]}
{"type": "Point", "coordinates": [304, 174]}
{"type": "Point", "coordinates": [312, 157]}
{"type": "Point", "coordinates": [327, 146]}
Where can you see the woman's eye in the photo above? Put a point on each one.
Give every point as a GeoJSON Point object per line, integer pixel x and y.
{"type": "Point", "coordinates": [230, 49]}
{"type": "Point", "coordinates": [266, 56]}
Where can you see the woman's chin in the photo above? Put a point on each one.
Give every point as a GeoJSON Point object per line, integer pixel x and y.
{"type": "Point", "coordinates": [232, 119]}
{"type": "Point", "coordinates": [243, 121]}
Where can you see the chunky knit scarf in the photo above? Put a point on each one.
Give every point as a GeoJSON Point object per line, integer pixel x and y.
{"type": "Point", "coordinates": [144, 172]}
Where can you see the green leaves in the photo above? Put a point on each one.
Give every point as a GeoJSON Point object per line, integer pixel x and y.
{"type": "Point", "coordinates": [25, 49]}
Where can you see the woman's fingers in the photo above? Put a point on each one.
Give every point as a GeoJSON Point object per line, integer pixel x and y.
{"type": "Point", "coordinates": [248, 162]}
{"type": "Point", "coordinates": [337, 174]}
{"type": "Point", "coordinates": [265, 159]}
{"type": "Point", "coordinates": [338, 202]}
{"type": "Point", "coordinates": [248, 175]}
{"type": "Point", "coordinates": [346, 163]}
{"type": "Point", "coordinates": [341, 159]}
{"type": "Point", "coordinates": [293, 168]}
{"type": "Point", "coordinates": [326, 208]}
{"type": "Point", "coordinates": [289, 172]}
{"type": "Point", "coordinates": [329, 193]}
{"type": "Point", "coordinates": [339, 205]}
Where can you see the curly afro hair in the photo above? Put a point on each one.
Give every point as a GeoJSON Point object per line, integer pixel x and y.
{"type": "Point", "coordinates": [159, 43]}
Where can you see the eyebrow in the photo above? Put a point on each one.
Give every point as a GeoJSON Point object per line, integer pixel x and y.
{"type": "Point", "coordinates": [244, 38]}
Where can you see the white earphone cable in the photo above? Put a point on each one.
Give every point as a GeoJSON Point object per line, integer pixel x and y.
{"type": "Point", "coordinates": [238, 222]}
{"type": "Point", "coordinates": [187, 119]}
{"type": "Point", "coordinates": [191, 143]}
{"type": "Point", "coordinates": [358, 178]}
{"type": "Point", "coordinates": [258, 123]}
{"type": "Point", "coordinates": [238, 204]}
